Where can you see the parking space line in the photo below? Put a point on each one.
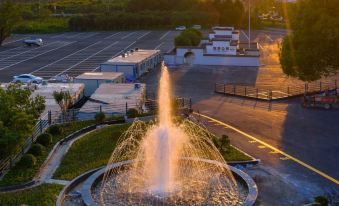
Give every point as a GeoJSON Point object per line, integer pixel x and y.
{"type": "Point", "coordinates": [64, 57]}
{"type": "Point", "coordinates": [124, 37]}
{"type": "Point", "coordinates": [269, 38]}
{"type": "Point", "coordinates": [242, 31]}
{"type": "Point", "coordinates": [112, 35]}
{"type": "Point", "coordinates": [35, 56]}
{"type": "Point", "coordinates": [28, 51]}
{"type": "Point", "coordinates": [163, 36]}
{"type": "Point", "coordinates": [13, 41]}
{"type": "Point", "coordinates": [118, 53]}
{"type": "Point", "coordinates": [157, 47]}
{"type": "Point", "coordinates": [86, 58]}
{"type": "Point", "coordinates": [11, 49]}
{"type": "Point", "coordinates": [143, 35]}
{"type": "Point", "coordinates": [273, 149]}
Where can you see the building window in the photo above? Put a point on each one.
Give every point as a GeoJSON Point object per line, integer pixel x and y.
{"type": "Point", "coordinates": [214, 48]}
{"type": "Point", "coordinates": [223, 48]}
{"type": "Point", "coordinates": [219, 48]}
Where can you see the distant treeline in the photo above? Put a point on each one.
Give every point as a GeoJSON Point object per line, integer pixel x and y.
{"type": "Point", "coordinates": [146, 14]}
{"type": "Point", "coordinates": [142, 20]}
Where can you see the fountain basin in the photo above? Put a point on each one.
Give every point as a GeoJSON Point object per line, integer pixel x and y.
{"type": "Point", "coordinates": [90, 184]}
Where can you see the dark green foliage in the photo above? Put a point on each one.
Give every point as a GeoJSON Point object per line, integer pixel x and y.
{"type": "Point", "coordinates": [9, 17]}
{"type": "Point", "coordinates": [310, 52]}
{"type": "Point", "coordinates": [36, 149]}
{"type": "Point", "coordinates": [45, 139]}
{"type": "Point", "coordinates": [132, 113]}
{"type": "Point", "coordinates": [27, 161]}
{"type": "Point", "coordinates": [189, 37]}
{"type": "Point", "coordinates": [42, 195]}
{"type": "Point", "coordinates": [20, 175]}
{"type": "Point", "coordinates": [321, 201]}
{"type": "Point", "coordinates": [100, 117]}
{"type": "Point", "coordinates": [222, 143]}
{"type": "Point", "coordinates": [55, 129]}
{"type": "Point", "coordinates": [18, 114]}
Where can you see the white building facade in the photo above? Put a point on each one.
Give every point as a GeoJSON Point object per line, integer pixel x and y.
{"type": "Point", "coordinates": [222, 47]}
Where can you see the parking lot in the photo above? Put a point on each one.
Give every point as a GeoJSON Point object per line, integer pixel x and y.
{"type": "Point", "coordinates": [73, 53]}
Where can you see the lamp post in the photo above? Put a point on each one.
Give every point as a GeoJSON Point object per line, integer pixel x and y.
{"type": "Point", "coordinates": [249, 24]}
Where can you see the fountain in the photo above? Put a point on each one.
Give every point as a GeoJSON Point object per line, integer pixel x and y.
{"type": "Point", "coordinates": [168, 162]}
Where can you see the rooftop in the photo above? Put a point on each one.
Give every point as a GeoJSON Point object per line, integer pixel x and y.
{"type": "Point", "coordinates": [100, 75]}
{"type": "Point", "coordinates": [136, 56]}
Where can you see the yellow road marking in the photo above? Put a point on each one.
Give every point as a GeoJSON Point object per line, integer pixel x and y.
{"type": "Point", "coordinates": [284, 158]}
{"type": "Point", "coordinates": [274, 152]}
{"type": "Point", "coordinates": [252, 141]}
{"type": "Point", "coordinates": [261, 147]}
{"type": "Point", "coordinates": [273, 148]}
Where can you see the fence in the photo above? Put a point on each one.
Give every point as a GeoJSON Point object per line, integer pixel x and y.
{"type": "Point", "coordinates": [85, 113]}
{"type": "Point", "coordinates": [276, 94]}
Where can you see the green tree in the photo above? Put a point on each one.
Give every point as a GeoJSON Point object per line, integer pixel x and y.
{"type": "Point", "coordinates": [9, 18]}
{"type": "Point", "coordinates": [64, 100]}
{"type": "Point", "coordinates": [311, 51]}
{"type": "Point", "coordinates": [18, 114]}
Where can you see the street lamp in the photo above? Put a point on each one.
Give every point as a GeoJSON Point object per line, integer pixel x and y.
{"type": "Point", "coordinates": [249, 24]}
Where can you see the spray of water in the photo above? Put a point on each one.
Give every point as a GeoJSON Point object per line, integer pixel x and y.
{"type": "Point", "coordinates": [167, 167]}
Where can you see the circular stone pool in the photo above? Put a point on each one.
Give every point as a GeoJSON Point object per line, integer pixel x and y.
{"type": "Point", "coordinates": [191, 192]}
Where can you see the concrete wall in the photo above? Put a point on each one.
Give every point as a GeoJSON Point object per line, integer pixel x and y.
{"type": "Point", "coordinates": [92, 84]}
{"type": "Point", "coordinates": [201, 59]}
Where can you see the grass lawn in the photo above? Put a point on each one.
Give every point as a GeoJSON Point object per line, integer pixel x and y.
{"type": "Point", "coordinates": [89, 152]}
{"type": "Point", "coordinates": [95, 149]}
{"type": "Point", "coordinates": [20, 175]}
{"type": "Point", "coordinates": [43, 195]}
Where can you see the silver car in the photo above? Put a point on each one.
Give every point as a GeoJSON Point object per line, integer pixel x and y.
{"type": "Point", "coordinates": [27, 78]}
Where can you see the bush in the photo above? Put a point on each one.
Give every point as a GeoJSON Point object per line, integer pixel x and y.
{"type": "Point", "coordinates": [55, 130]}
{"type": "Point", "coordinates": [36, 149]}
{"type": "Point", "coordinates": [27, 161]}
{"type": "Point", "coordinates": [45, 139]}
{"type": "Point", "coordinates": [132, 113]}
{"type": "Point", "coordinates": [321, 201]}
{"type": "Point", "coordinates": [100, 117]}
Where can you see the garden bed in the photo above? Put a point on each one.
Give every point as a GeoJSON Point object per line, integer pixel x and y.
{"type": "Point", "coordinates": [19, 175]}
{"type": "Point", "coordinates": [95, 149]}
{"type": "Point", "coordinates": [42, 195]}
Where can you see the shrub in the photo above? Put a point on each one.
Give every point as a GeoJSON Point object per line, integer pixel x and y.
{"type": "Point", "coordinates": [45, 139]}
{"type": "Point", "coordinates": [27, 161]}
{"type": "Point", "coordinates": [321, 201]}
{"type": "Point", "coordinates": [132, 113]}
{"type": "Point", "coordinates": [55, 130]}
{"type": "Point", "coordinates": [100, 117]}
{"type": "Point", "coordinates": [36, 149]}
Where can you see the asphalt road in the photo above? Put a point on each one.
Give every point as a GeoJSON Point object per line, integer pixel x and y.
{"type": "Point", "coordinates": [300, 145]}
{"type": "Point", "coordinates": [74, 53]}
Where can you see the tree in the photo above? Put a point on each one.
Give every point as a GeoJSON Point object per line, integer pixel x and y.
{"type": "Point", "coordinates": [18, 114]}
{"type": "Point", "coordinates": [311, 51]}
{"type": "Point", "coordinates": [64, 100]}
{"type": "Point", "coordinates": [9, 18]}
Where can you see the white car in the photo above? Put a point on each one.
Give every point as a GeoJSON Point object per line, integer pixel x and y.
{"type": "Point", "coordinates": [196, 26]}
{"type": "Point", "coordinates": [180, 28]}
{"type": "Point", "coordinates": [27, 78]}
{"type": "Point", "coordinates": [31, 42]}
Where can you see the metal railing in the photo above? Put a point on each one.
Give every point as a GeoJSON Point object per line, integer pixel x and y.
{"type": "Point", "coordinates": [276, 94]}
{"type": "Point", "coordinates": [85, 113]}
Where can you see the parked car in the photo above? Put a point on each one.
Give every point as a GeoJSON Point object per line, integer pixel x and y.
{"type": "Point", "coordinates": [27, 78]}
{"type": "Point", "coordinates": [196, 26]}
{"type": "Point", "coordinates": [33, 42]}
{"type": "Point", "coordinates": [181, 28]}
